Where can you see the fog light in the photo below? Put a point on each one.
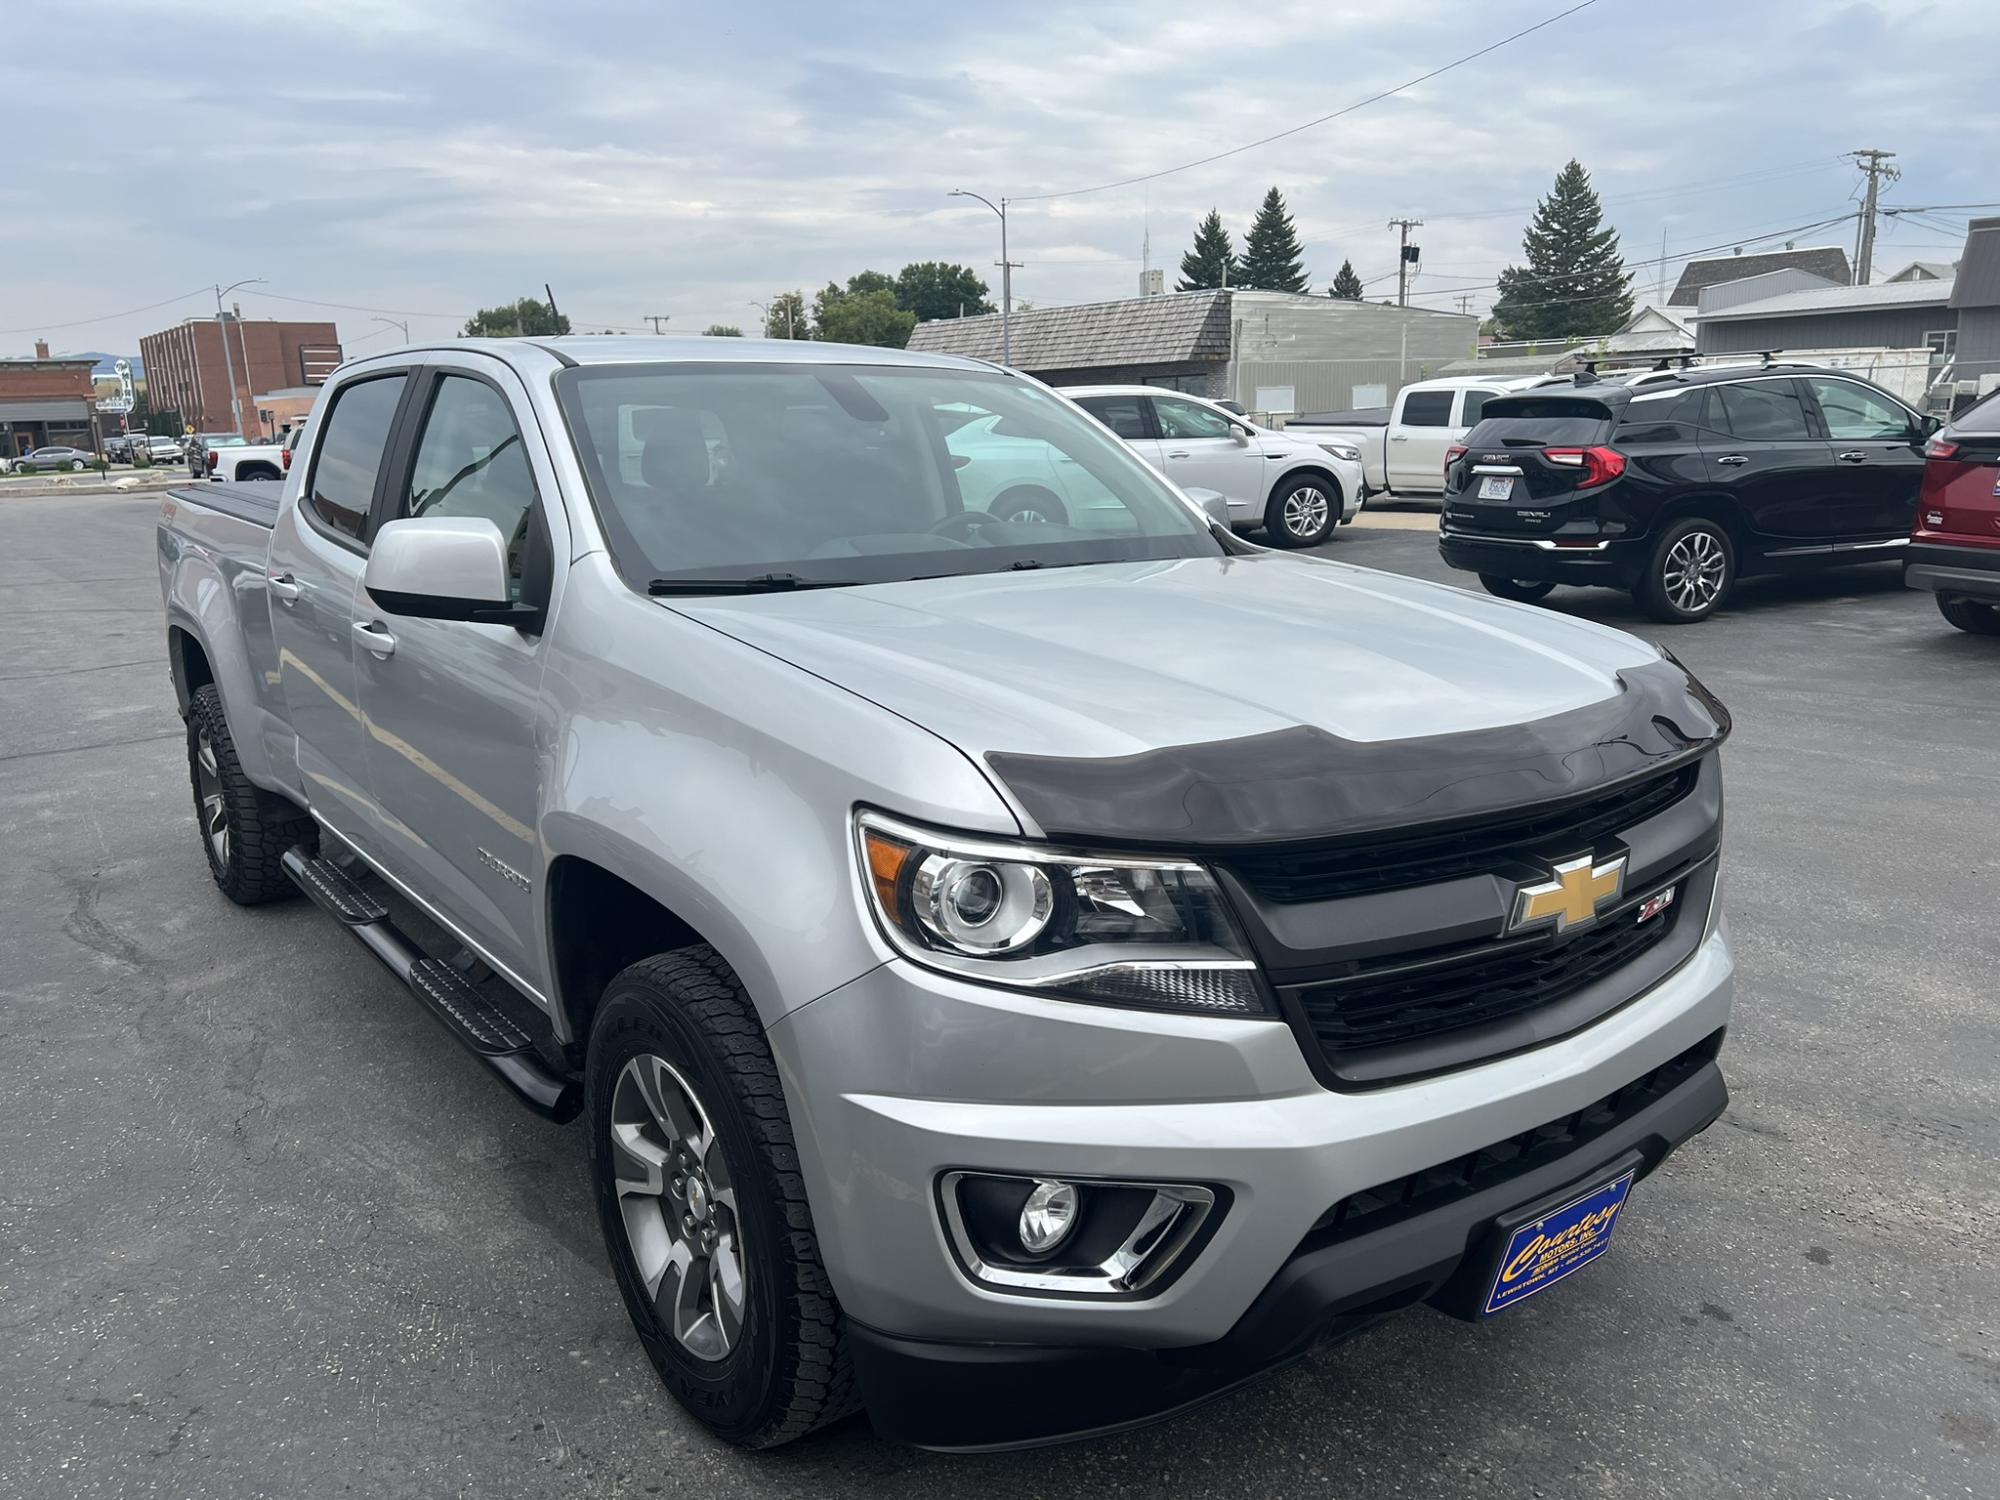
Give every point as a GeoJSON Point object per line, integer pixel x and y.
{"type": "Point", "coordinates": [1048, 1216]}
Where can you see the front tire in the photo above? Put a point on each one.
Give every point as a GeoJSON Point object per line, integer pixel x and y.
{"type": "Point", "coordinates": [1520, 590]}
{"type": "Point", "coordinates": [703, 1208]}
{"type": "Point", "coordinates": [1970, 615]}
{"type": "Point", "coordinates": [1302, 513]}
{"type": "Point", "coordinates": [1690, 573]}
{"type": "Point", "coordinates": [76, 466]}
{"type": "Point", "coordinates": [245, 830]}
{"type": "Point", "coordinates": [1029, 504]}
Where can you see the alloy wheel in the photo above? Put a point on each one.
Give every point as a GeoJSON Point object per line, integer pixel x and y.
{"type": "Point", "coordinates": [214, 812]}
{"type": "Point", "coordinates": [1694, 571]}
{"type": "Point", "coordinates": [679, 1207]}
{"type": "Point", "coordinates": [1305, 512]}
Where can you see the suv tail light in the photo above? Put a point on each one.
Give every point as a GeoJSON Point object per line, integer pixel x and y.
{"type": "Point", "coordinates": [1599, 465]}
{"type": "Point", "coordinates": [1940, 447]}
{"type": "Point", "coordinates": [1453, 454]}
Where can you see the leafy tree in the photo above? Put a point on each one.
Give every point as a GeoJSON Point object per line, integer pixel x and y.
{"type": "Point", "coordinates": [722, 331]}
{"type": "Point", "coordinates": [531, 317]}
{"type": "Point", "coordinates": [870, 281]}
{"type": "Point", "coordinates": [1212, 261]}
{"type": "Point", "coordinates": [935, 289]}
{"type": "Point", "coordinates": [1346, 285]}
{"type": "Point", "coordinates": [867, 316]}
{"type": "Point", "coordinates": [787, 318]}
{"type": "Point", "coordinates": [1575, 281]}
{"type": "Point", "coordinates": [1271, 249]}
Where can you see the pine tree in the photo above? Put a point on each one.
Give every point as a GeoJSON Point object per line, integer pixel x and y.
{"type": "Point", "coordinates": [1346, 285]}
{"type": "Point", "coordinates": [1575, 281]}
{"type": "Point", "coordinates": [1271, 249]}
{"type": "Point", "coordinates": [1212, 262]}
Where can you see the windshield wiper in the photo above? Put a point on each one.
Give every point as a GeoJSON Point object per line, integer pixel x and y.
{"type": "Point", "coordinates": [763, 583]}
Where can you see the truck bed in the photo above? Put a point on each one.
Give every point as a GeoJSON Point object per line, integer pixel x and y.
{"type": "Point", "coordinates": [1365, 416]}
{"type": "Point", "coordinates": [253, 500]}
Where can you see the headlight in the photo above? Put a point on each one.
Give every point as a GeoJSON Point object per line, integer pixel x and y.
{"type": "Point", "coordinates": [1148, 932]}
{"type": "Point", "coordinates": [1343, 450]}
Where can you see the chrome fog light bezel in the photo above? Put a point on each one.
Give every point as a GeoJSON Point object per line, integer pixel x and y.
{"type": "Point", "coordinates": [1178, 1221]}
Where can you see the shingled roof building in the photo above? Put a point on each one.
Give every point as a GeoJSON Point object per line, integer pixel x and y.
{"type": "Point", "coordinates": [1828, 262]}
{"type": "Point", "coordinates": [1274, 352]}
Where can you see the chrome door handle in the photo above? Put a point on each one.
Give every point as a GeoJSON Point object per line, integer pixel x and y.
{"type": "Point", "coordinates": [1183, 453]}
{"type": "Point", "coordinates": [1399, 437]}
{"type": "Point", "coordinates": [1734, 458]}
{"type": "Point", "coordinates": [1852, 456]}
{"type": "Point", "coordinates": [284, 586]}
{"type": "Point", "coordinates": [375, 636]}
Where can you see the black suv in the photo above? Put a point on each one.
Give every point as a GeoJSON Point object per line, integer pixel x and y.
{"type": "Point", "coordinates": [1676, 484]}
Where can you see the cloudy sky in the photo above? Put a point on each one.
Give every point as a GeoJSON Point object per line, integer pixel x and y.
{"type": "Point", "coordinates": [418, 159]}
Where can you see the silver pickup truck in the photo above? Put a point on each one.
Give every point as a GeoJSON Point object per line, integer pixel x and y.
{"type": "Point", "coordinates": [1022, 977]}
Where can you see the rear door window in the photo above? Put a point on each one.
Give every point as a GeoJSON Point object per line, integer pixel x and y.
{"type": "Point", "coordinates": [350, 454]}
{"type": "Point", "coordinates": [1475, 404]}
{"type": "Point", "coordinates": [1427, 409]}
{"type": "Point", "coordinates": [1853, 412]}
{"type": "Point", "coordinates": [1762, 411]}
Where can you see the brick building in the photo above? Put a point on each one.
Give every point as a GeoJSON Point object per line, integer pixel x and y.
{"type": "Point", "coordinates": [186, 370]}
{"type": "Point", "coordinates": [44, 401]}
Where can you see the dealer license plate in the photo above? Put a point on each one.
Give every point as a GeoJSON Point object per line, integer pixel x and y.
{"type": "Point", "coordinates": [1495, 487]}
{"type": "Point", "coordinates": [1541, 1253]}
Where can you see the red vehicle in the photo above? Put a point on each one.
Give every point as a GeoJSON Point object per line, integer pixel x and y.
{"type": "Point", "coordinates": [1955, 548]}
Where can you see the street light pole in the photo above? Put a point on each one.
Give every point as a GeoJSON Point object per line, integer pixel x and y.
{"type": "Point", "coordinates": [228, 359]}
{"type": "Point", "coordinates": [395, 323]}
{"type": "Point", "coordinates": [1006, 275]}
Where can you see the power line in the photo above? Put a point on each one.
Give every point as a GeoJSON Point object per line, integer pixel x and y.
{"type": "Point", "coordinates": [129, 312]}
{"type": "Point", "coordinates": [1310, 124]}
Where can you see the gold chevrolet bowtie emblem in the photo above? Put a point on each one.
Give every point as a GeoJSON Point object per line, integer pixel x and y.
{"type": "Point", "coordinates": [1582, 888]}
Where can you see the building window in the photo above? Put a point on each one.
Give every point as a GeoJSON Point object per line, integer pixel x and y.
{"type": "Point", "coordinates": [1943, 344]}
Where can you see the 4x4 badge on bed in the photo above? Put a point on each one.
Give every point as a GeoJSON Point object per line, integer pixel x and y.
{"type": "Point", "coordinates": [1582, 888]}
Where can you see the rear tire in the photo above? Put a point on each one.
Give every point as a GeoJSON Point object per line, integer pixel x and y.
{"type": "Point", "coordinates": [245, 830]}
{"type": "Point", "coordinates": [1690, 574]}
{"type": "Point", "coordinates": [703, 1208]}
{"type": "Point", "coordinates": [1520, 590]}
{"type": "Point", "coordinates": [1302, 513]}
{"type": "Point", "coordinates": [1970, 615]}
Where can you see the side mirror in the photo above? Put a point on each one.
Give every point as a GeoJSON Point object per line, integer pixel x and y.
{"type": "Point", "coordinates": [445, 568]}
{"type": "Point", "coordinates": [1241, 434]}
{"type": "Point", "coordinates": [1214, 505]}
{"type": "Point", "coordinates": [1928, 424]}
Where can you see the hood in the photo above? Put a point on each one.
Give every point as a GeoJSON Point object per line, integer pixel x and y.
{"type": "Point", "coordinates": [1117, 659]}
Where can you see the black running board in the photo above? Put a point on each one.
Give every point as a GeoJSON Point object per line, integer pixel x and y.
{"type": "Point", "coordinates": [488, 1032]}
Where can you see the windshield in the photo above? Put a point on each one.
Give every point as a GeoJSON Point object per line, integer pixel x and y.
{"type": "Point", "coordinates": [858, 474]}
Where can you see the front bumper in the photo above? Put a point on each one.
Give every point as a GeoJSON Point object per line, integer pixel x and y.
{"type": "Point", "coordinates": [903, 1075]}
{"type": "Point", "coordinates": [1956, 572]}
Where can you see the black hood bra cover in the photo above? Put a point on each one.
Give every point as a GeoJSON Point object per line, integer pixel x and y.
{"type": "Point", "coordinates": [1303, 783]}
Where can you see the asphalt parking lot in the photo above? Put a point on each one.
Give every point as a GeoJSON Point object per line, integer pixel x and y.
{"type": "Point", "coordinates": [266, 1230]}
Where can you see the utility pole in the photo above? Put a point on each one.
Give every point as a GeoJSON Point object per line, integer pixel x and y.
{"type": "Point", "coordinates": [1406, 256]}
{"type": "Point", "coordinates": [656, 319]}
{"type": "Point", "coordinates": [1875, 163]}
{"type": "Point", "coordinates": [1464, 300]}
{"type": "Point", "coordinates": [1006, 275]}
{"type": "Point", "coordinates": [243, 343]}
{"type": "Point", "coordinates": [228, 359]}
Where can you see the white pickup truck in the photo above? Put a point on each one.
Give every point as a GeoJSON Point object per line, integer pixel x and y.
{"type": "Point", "coordinates": [1402, 446]}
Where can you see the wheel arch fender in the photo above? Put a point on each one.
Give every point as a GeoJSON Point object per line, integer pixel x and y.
{"type": "Point", "coordinates": [1307, 470]}
{"type": "Point", "coordinates": [205, 647]}
{"type": "Point", "coordinates": [1711, 505]}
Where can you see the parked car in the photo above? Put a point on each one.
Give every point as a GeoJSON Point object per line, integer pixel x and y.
{"type": "Point", "coordinates": [197, 448]}
{"type": "Point", "coordinates": [244, 460]}
{"type": "Point", "coordinates": [1402, 446]}
{"type": "Point", "coordinates": [1296, 490]}
{"type": "Point", "coordinates": [118, 447]}
{"type": "Point", "coordinates": [163, 450]}
{"type": "Point", "coordinates": [1955, 548]}
{"type": "Point", "coordinates": [1024, 977]}
{"type": "Point", "coordinates": [1676, 489]}
{"type": "Point", "coordinates": [50, 459]}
